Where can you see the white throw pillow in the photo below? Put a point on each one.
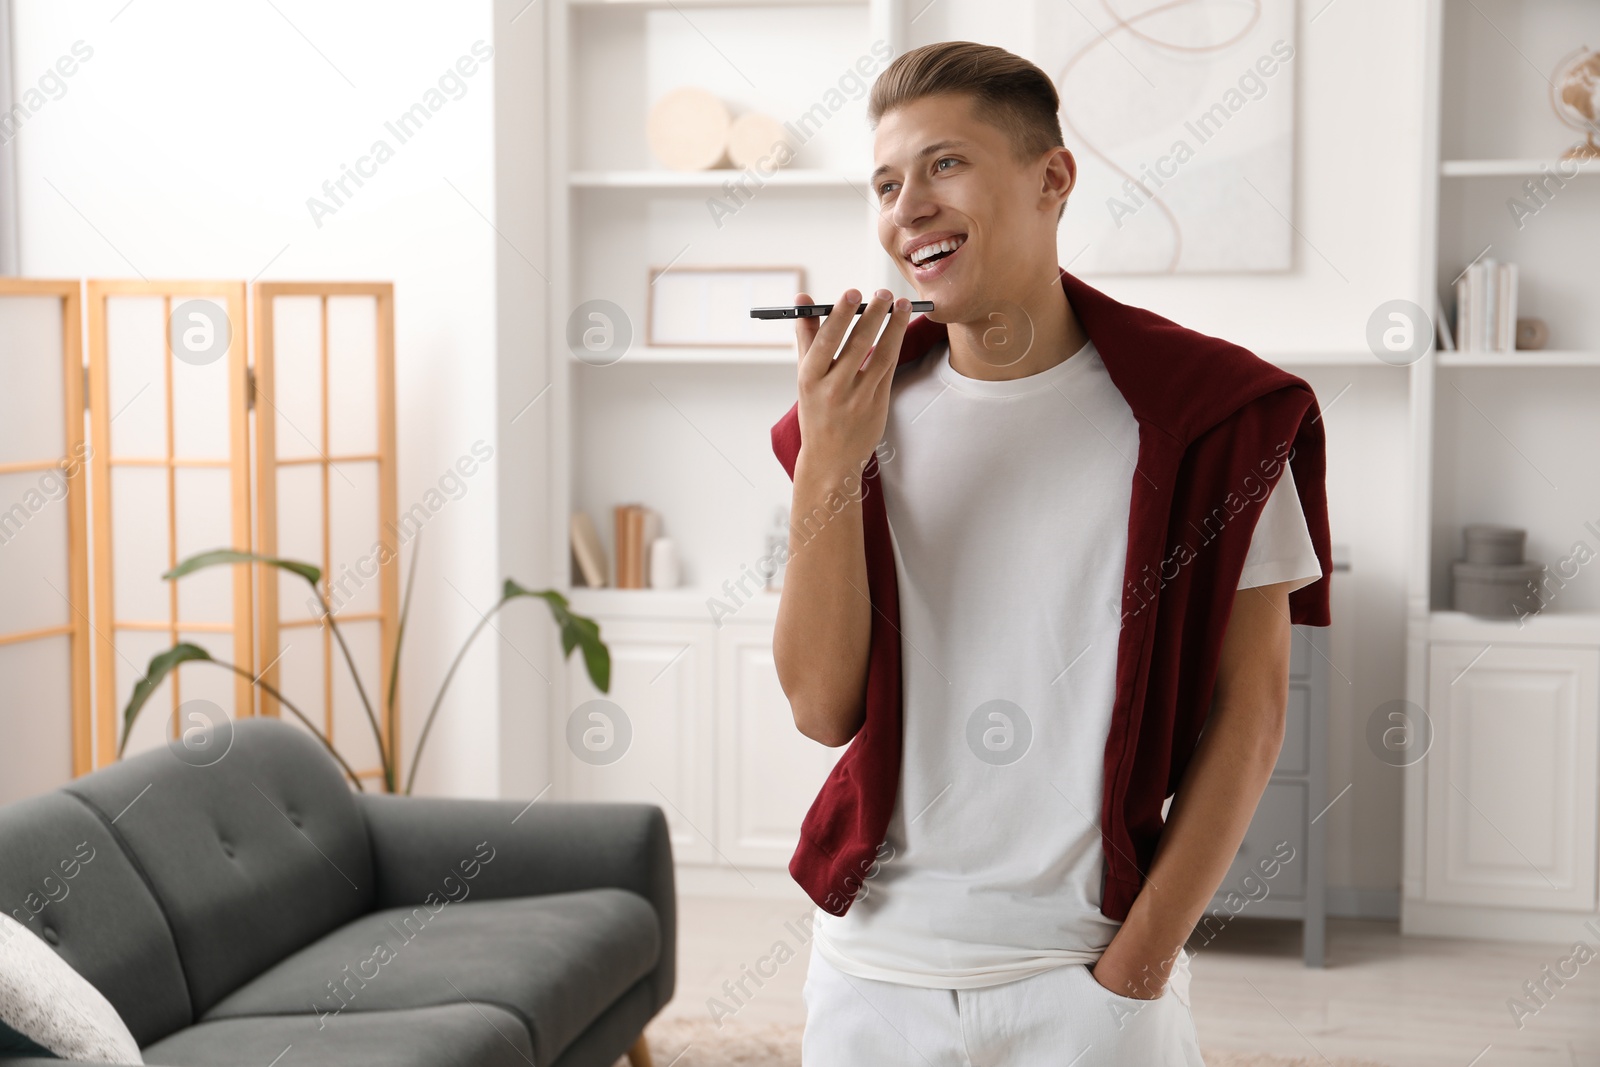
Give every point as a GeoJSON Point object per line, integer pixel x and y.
{"type": "Point", "coordinates": [49, 1003]}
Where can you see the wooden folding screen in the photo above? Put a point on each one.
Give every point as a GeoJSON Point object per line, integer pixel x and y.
{"type": "Point", "coordinates": [168, 471]}
{"type": "Point", "coordinates": [44, 583]}
{"type": "Point", "coordinates": [169, 425]}
{"type": "Point", "coordinates": [325, 478]}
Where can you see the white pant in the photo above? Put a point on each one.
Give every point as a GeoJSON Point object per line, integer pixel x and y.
{"type": "Point", "coordinates": [1059, 1018]}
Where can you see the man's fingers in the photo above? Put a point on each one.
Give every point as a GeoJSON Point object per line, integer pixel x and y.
{"type": "Point", "coordinates": [859, 345]}
{"type": "Point", "coordinates": [825, 338]}
{"type": "Point", "coordinates": [805, 330]}
{"type": "Point", "coordinates": [886, 353]}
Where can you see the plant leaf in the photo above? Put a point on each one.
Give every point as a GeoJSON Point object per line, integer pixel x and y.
{"type": "Point", "coordinates": [161, 665]}
{"type": "Point", "coordinates": [217, 556]}
{"type": "Point", "coordinates": [576, 630]}
{"type": "Point", "coordinates": [400, 628]}
{"type": "Point", "coordinates": [596, 657]}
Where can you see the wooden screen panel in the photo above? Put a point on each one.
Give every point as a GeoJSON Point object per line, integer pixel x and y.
{"type": "Point", "coordinates": [44, 560]}
{"type": "Point", "coordinates": [170, 474]}
{"type": "Point", "coordinates": [325, 476]}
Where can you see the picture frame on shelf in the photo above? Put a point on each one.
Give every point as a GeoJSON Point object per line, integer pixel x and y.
{"type": "Point", "coordinates": [709, 307]}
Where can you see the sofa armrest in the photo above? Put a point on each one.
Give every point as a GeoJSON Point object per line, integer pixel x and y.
{"type": "Point", "coordinates": [548, 847]}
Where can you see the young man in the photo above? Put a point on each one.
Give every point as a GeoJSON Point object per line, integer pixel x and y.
{"type": "Point", "coordinates": [1041, 539]}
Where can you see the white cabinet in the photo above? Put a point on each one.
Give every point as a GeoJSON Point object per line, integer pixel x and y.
{"type": "Point", "coordinates": [768, 772]}
{"type": "Point", "coordinates": [650, 738]}
{"type": "Point", "coordinates": [696, 723]}
{"type": "Point", "coordinates": [1510, 780]}
{"type": "Point", "coordinates": [1500, 814]}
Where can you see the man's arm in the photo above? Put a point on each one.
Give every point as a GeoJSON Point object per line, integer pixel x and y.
{"type": "Point", "coordinates": [823, 634]}
{"type": "Point", "coordinates": [1216, 799]}
{"type": "Point", "coordinates": [824, 626]}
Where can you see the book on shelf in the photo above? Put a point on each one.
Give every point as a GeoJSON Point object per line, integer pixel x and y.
{"type": "Point", "coordinates": [636, 526]}
{"type": "Point", "coordinates": [1506, 302]}
{"type": "Point", "coordinates": [1486, 307]}
{"type": "Point", "coordinates": [588, 551]}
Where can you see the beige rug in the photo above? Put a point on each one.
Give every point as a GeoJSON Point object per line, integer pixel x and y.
{"type": "Point", "coordinates": [694, 1041]}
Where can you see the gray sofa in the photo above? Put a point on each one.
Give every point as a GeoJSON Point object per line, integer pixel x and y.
{"type": "Point", "coordinates": [235, 911]}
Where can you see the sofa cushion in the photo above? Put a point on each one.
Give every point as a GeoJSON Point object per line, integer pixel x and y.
{"type": "Point", "coordinates": [461, 1034]}
{"type": "Point", "coordinates": [251, 858]}
{"type": "Point", "coordinates": [548, 847]}
{"type": "Point", "coordinates": [66, 878]}
{"type": "Point", "coordinates": [557, 961]}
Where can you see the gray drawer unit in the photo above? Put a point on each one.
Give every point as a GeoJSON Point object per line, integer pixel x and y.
{"type": "Point", "coordinates": [1289, 815]}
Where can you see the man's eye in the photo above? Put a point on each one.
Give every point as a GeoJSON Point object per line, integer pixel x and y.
{"type": "Point", "coordinates": [945, 159]}
{"type": "Point", "coordinates": [884, 188]}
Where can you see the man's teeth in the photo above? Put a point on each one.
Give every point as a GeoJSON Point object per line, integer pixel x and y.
{"type": "Point", "coordinates": [934, 249]}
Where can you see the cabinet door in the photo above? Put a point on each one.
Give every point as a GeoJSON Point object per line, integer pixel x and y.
{"type": "Point", "coordinates": [768, 771]}
{"type": "Point", "coordinates": [1511, 776]}
{"type": "Point", "coordinates": [1280, 820]}
{"type": "Point", "coordinates": [651, 740]}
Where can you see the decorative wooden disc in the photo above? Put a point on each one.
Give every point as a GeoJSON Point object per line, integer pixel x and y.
{"type": "Point", "coordinates": [1532, 334]}
{"type": "Point", "coordinates": [754, 138]}
{"type": "Point", "coordinates": [688, 129]}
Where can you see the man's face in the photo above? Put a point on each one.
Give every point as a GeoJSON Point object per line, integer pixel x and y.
{"type": "Point", "coordinates": [943, 174]}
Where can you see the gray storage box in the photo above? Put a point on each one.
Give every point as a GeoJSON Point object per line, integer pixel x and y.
{"type": "Point", "coordinates": [1494, 544]}
{"type": "Point", "coordinates": [1496, 590]}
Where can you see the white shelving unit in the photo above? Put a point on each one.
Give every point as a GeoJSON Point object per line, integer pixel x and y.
{"type": "Point", "coordinates": [1500, 821]}
{"type": "Point", "coordinates": [686, 430]}
{"type": "Point", "coordinates": [1544, 357]}
{"type": "Point", "coordinates": [1515, 168]}
{"type": "Point", "coordinates": [615, 213]}
{"type": "Point", "coordinates": [710, 179]}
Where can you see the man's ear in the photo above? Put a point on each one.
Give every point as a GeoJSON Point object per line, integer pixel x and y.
{"type": "Point", "coordinates": [1060, 176]}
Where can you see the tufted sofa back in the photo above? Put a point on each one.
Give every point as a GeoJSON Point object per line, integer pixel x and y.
{"type": "Point", "coordinates": [248, 859]}
{"type": "Point", "coordinates": [64, 877]}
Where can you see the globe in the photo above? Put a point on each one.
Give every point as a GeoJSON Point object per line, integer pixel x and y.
{"type": "Point", "coordinates": [1575, 95]}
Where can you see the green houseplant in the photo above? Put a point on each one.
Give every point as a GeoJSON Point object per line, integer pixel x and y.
{"type": "Point", "coordinates": [577, 631]}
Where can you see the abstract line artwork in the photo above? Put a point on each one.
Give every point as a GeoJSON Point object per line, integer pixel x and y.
{"type": "Point", "coordinates": [1181, 117]}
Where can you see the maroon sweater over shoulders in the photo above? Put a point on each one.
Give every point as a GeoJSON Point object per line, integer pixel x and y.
{"type": "Point", "coordinates": [1216, 425]}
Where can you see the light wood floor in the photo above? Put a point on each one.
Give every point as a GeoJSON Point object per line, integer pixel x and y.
{"type": "Point", "coordinates": [1404, 1002]}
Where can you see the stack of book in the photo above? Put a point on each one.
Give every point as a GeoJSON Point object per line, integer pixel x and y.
{"type": "Point", "coordinates": [1486, 307]}
{"type": "Point", "coordinates": [636, 529]}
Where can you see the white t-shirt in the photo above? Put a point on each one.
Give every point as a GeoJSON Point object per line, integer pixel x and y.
{"type": "Point", "coordinates": [1008, 505]}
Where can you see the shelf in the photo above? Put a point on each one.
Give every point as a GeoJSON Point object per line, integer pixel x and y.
{"type": "Point", "coordinates": [799, 178]}
{"type": "Point", "coordinates": [1544, 628]}
{"type": "Point", "coordinates": [1354, 358]}
{"type": "Point", "coordinates": [1497, 168]}
{"type": "Point", "coordinates": [1519, 358]}
{"type": "Point", "coordinates": [595, 5]}
{"type": "Point", "coordinates": [785, 357]}
{"type": "Point", "coordinates": [685, 604]}
{"type": "Point", "coordinates": [747, 356]}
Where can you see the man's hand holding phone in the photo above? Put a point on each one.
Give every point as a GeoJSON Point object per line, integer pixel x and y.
{"type": "Point", "coordinates": [844, 379]}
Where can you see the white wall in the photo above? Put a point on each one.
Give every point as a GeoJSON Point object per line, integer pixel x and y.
{"type": "Point", "coordinates": [530, 659]}
{"type": "Point", "coordinates": [1358, 109]}
{"type": "Point", "coordinates": [187, 146]}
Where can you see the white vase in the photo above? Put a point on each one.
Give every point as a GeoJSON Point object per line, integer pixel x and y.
{"type": "Point", "coordinates": [663, 564]}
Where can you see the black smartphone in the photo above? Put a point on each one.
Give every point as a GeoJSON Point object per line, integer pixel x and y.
{"type": "Point", "coordinates": [811, 311]}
